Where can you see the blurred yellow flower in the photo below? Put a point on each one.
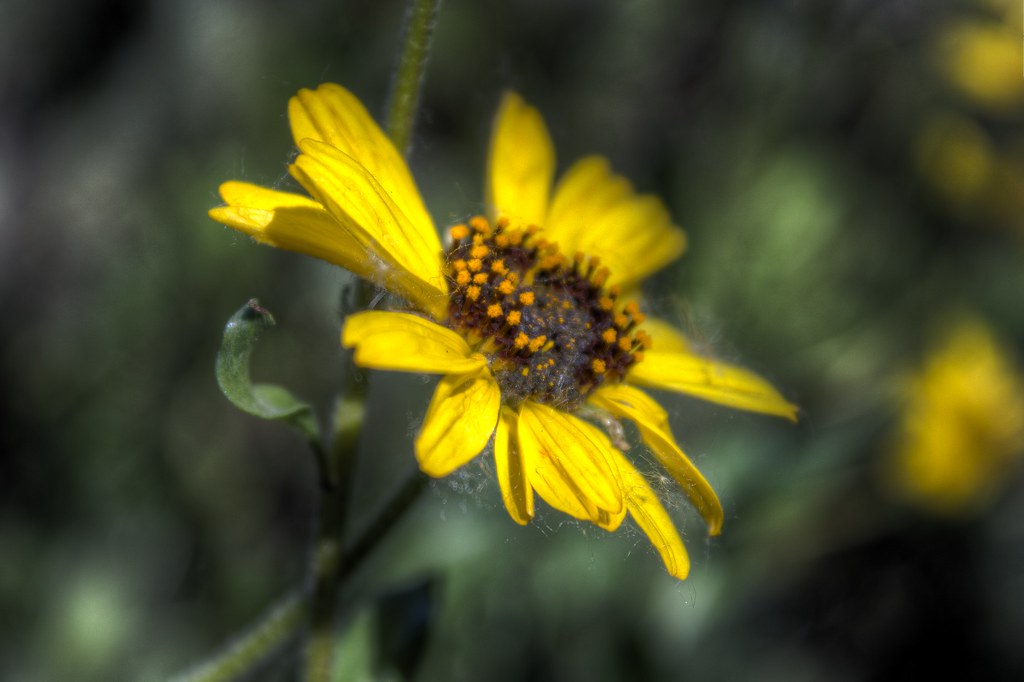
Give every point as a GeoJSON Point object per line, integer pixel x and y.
{"type": "Point", "coordinates": [982, 60]}
{"type": "Point", "coordinates": [530, 314]}
{"type": "Point", "coordinates": [962, 428]}
{"type": "Point", "coordinates": [954, 154]}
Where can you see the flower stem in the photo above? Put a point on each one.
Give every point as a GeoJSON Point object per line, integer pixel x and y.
{"type": "Point", "coordinates": [379, 527]}
{"type": "Point", "coordinates": [281, 623]}
{"type": "Point", "coordinates": [405, 92]}
{"type": "Point", "coordinates": [254, 646]}
{"type": "Point", "coordinates": [331, 563]}
{"type": "Point", "coordinates": [328, 553]}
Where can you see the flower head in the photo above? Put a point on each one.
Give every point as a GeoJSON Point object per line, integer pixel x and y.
{"type": "Point", "coordinates": [530, 314]}
{"type": "Point", "coordinates": [962, 428]}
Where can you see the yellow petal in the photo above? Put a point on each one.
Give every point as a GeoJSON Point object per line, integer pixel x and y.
{"type": "Point", "coordinates": [333, 115]}
{"type": "Point", "coordinates": [516, 491]}
{"type": "Point", "coordinates": [666, 338]}
{"type": "Point", "coordinates": [567, 462]}
{"type": "Point", "coordinates": [459, 422]}
{"type": "Point", "coordinates": [521, 163]}
{"type": "Point", "coordinates": [652, 518]}
{"type": "Point", "coordinates": [357, 200]}
{"type": "Point", "coordinates": [707, 379]}
{"type": "Point", "coordinates": [246, 194]}
{"type": "Point", "coordinates": [652, 421]}
{"type": "Point", "coordinates": [407, 343]}
{"type": "Point", "coordinates": [597, 212]}
{"type": "Point", "coordinates": [300, 224]}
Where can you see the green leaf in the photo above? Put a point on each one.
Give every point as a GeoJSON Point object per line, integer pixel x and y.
{"type": "Point", "coordinates": [266, 401]}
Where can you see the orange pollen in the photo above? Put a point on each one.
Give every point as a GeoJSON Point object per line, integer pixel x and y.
{"type": "Point", "coordinates": [550, 262]}
{"type": "Point", "coordinates": [551, 328]}
{"type": "Point", "coordinates": [638, 356]}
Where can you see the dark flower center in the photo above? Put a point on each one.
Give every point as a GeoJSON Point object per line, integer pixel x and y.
{"type": "Point", "coordinates": [550, 328]}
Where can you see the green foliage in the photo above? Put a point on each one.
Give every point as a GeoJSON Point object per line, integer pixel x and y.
{"type": "Point", "coordinates": [266, 401]}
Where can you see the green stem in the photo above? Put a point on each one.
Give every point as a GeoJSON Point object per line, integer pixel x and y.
{"type": "Point", "coordinates": [253, 647]}
{"type": "Point", "coordinates": [330, 562]}
{"type": "Point", "coordinates": [282, 622]}
{"type": "Point", "coordinates": [405, 92]}
{"type": "Point", "coordinates": [378, 529]}
{"type": "Point", "coordinates": [328, 557]}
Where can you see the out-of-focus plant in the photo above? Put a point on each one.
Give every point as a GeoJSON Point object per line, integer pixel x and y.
{"type": "Point", "coordinates": [960, 438]}
{"type": "Point", "coordinates": [970, 150]}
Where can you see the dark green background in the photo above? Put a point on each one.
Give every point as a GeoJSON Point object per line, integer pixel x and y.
{"type": "Point", "coordinates": [143, 520]}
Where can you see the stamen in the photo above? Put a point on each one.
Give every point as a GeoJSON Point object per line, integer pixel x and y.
{"type": "Point", "coordinates": [480, 224]}
{"type": "Point", "coordinates": [546, 323]}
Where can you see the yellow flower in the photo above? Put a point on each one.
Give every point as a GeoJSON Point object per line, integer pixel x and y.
{"type": "Point", "coordinates": [962, 429]}
{"type": "Point", "coordinates": [529, 315]}
{"type": "Point", "coordinates": [982, 60]}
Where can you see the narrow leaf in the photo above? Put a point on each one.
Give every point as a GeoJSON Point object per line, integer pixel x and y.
{"type": "Point", "coordinates": [266, 401]}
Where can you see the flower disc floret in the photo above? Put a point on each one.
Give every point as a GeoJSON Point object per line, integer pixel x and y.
{"type": "Point", "coordinates": [547, 324]}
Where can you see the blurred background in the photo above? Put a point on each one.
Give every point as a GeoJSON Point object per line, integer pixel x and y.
{"type": "Point", "coordinates": [851, 176]}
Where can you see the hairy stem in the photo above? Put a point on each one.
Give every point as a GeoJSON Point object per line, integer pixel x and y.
{"type": "Point", "coordinates": [282, 622]}
{"type": "Point", "coordinates": [255, 646]}
{"type": "Point", "coordinates": [405, 91]}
